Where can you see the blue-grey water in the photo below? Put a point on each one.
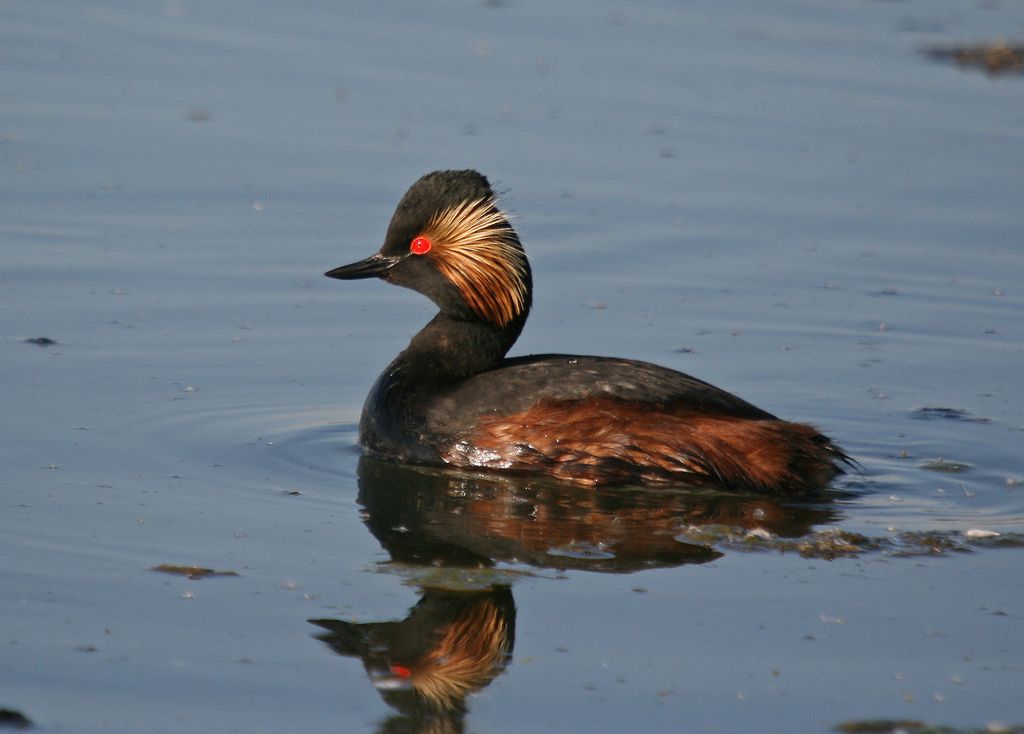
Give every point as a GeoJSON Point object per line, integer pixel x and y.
{"type": "Point", "coordinates": [789, 199]}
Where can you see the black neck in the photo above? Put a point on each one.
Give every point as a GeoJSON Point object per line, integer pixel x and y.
{"type": "Point", "coordinates": [446, 351]}
{"type": "Point", "coordinates": [450, 349]}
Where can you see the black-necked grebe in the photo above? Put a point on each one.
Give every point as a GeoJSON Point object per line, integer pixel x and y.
{"type": "Point", "coordinates": [452, 398]}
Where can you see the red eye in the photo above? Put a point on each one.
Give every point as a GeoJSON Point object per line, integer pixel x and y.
{"type": "Point", "coordinates": [400, 670]}
{"type": "Point", "coordinates": [420, 246]}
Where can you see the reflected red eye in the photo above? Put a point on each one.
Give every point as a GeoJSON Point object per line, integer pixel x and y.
{"type": "Point", "coordinates": [420, 246]}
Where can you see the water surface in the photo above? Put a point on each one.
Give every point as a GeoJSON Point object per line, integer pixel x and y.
{"type": "Point", "coordinates": [791, 200]}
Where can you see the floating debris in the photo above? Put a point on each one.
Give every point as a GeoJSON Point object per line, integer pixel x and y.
{"type": "Point", "coordinates": [192, 572]}
{"type": "Point", "coordinates": [832, 543]}
{"type": "Point", "coordinates": [955, 414]}
{"type": "Point", "coordinates": [41, 341]}
{"type": "Point", "coordinates": [879, 726]}
{"type": "Point", "coordinates": [909, 726]}
{"type": "Point", "coordinates": [931, 542]}
{"type": "Point", "coordinates": [948, 467]}
{"type": "Point", "coordinates": [11, 719]}
{"type": "Point", "coordinates": [995, 58]}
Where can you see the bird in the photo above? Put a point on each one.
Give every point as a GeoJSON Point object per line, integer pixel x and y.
{"type": "Point", "coordinates": [454, 399]}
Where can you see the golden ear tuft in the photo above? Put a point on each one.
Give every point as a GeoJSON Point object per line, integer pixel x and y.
{"type": "Point", "coordinates": [477, 250]}
{"type": "Point", "coordinates": [469, 653]}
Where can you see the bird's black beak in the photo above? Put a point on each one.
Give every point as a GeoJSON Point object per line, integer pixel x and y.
{"type": "Point", "coordinates": [372, 267]}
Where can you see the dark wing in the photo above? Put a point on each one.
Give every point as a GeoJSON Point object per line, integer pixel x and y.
{"type": "Point", "coordinates": [518, 383]}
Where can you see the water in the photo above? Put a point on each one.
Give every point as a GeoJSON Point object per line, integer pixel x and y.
{"type": "Point", "coordinates": [788, 199]}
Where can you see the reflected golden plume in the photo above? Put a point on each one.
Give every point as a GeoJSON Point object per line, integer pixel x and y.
{"type": "Point", "coordinates": [480, 254]}
{"type": "Point", "coordinates": [452, 644]}
{"type": "Point", "coordinates": [469, 653]}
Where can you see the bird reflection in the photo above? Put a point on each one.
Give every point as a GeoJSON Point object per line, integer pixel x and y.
{"type": "Point", "coordinates": [455, 642]}
{"type": "Point", "coordinates": [451, 644]}
{"type": "Point", "coordinates": [429, 516]}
